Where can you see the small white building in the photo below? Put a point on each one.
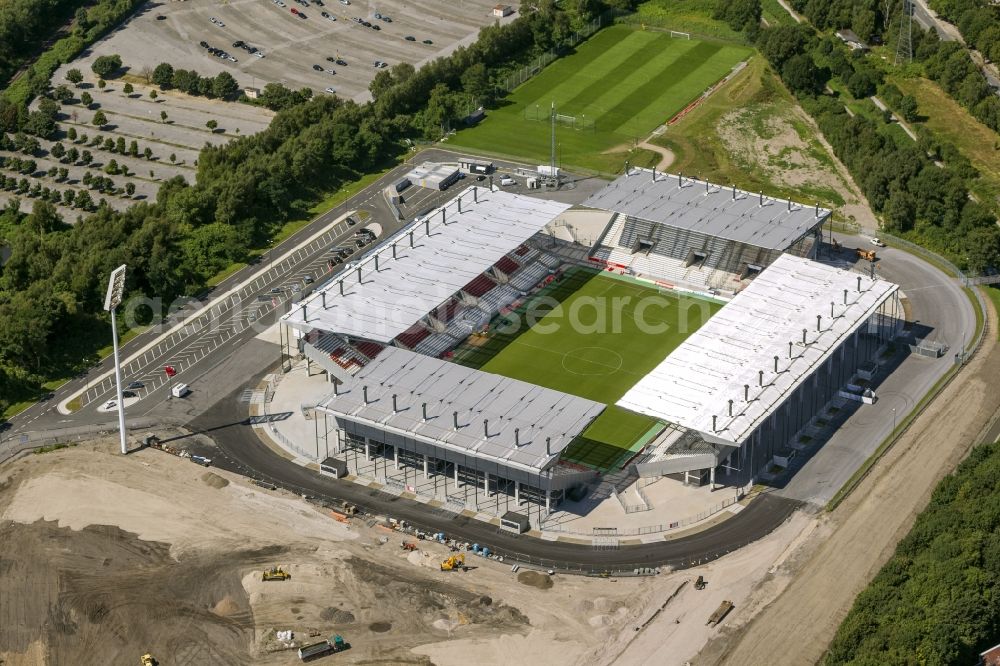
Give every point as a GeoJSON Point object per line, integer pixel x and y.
{"type": "Point", "coordinates": [501, 11]}
{"type": "Point", "coordinates": [251, 93]}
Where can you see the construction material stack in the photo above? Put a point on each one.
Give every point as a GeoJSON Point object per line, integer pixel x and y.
{"type": "Point", "coordinates": [333, 644]}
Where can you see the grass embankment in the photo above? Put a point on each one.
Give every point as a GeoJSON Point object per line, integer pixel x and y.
{"type": "Point", "coordinates": [750, 134]}
{"type": "Point", "coordinates": [949, 121]}
{"type": "Point", "coordinates": [691, 16]}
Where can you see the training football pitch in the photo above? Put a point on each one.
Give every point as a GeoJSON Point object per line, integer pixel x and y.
{"type": "Point", "coordinates": [622, 84]}
{"type": "Point", "coordinates": [594, 336]}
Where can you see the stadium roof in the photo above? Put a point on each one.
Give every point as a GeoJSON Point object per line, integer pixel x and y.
{"type": "Point", "coordinates": [725, 212]}
{"type": "Point", "coordinates": [508, 405]}
{"type": "Point", "coordinates": [699, 378]}
{"type": "Point", "coordinates": [434, 257]}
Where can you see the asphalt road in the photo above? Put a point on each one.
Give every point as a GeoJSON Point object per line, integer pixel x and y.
{"type": "Point", "coordinates": [238, 449]}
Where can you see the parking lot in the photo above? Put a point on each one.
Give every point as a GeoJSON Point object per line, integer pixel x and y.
{"type": "Point", "coordinates": [292, 45]}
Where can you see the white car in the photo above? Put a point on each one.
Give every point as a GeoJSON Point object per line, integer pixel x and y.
{"type": "Point", "coordinates": [345, 2]}
{"type": "Point", "coordinates": [232, 59]}
{"type": "Point", "coordinates": [259, 54]}
{"type": "Point", "coordinates": [506, 181]}
{"type": "Point", "coordinates": [214, 20]}
{"type": "Point", "coordinates": [877, 243]}
{"type": "Point", "coordinates": [331, 90]}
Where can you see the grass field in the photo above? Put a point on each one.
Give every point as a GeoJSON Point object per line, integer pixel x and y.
{"type": "Point", "coordinates": [579, 345]}
{"type": "Point", "coordinates": [625, 82]}
{"type": "Point", "coordinates": [693, 16]}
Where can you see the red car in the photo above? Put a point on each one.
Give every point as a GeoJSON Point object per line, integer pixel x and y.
{"type": "Point", "coordinates": [294, 10]}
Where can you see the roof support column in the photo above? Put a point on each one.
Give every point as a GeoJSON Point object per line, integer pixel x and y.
{"type": "Point", "coordinates": [425, 465]}
{"type": "Point", "coordinates": [395, 456]}
{"type": "Point", "coordinates": [517, 493]}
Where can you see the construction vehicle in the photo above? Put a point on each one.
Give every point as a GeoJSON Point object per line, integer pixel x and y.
{"type": "Point", "coordinates": [700, 583]}
{"type": "Point", "coordinates": [333, 644]}
{"type": "Point", "coordinates": [720, 612]}
{"type": "Point", "coordinates": [408, 545]}
{"type": "Point", "coordinates": [148, 660]}
{"type": "Point", "coordinates": [454, 562]}
{"type": "Point", "coordinates": [275, 573]}
{"type": "Point", "coordinates": [867, 255]}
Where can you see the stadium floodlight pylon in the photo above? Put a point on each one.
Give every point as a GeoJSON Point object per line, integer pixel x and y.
{"type": "Point", "coordinates": [116, 286]}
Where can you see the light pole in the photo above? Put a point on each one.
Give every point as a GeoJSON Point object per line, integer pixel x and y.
{"type": "Point", "coordinates": [116, 285]}
{"type": "Point", "coordinates": [893, 420]}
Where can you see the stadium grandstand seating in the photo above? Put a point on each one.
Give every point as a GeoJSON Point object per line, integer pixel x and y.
{"type": "Point", "coordinates": [497, 299]}
{"type": "Point", "coordinates": [412, 336]}
{"type": "Point", "coordinates": [479, 286]}
{"type": "Point", "coordinates": [445, 313]}
{"type": "Point", "coordinates": [521, 250]}
{"type": "Point", "coordinates": [529, 276]}
{"type": "Point", "coordinates": [436, 345]}
{"type": "Point", "coordinates": [369, 349]}
{"type": "Point", "coordinates": [683, 256]}
{"type": "Point", "coordinates": [506, 265]}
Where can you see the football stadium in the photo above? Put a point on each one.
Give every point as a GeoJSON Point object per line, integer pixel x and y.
{"type": "Point", "coordinates": [512, 348]}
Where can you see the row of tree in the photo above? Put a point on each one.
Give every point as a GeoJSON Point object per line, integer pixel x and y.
{"type": "Point", "coordinates": [977, 20]}
{"type": "Point", "coordinates": [915, 196]}
{"type": "Point", "coordinates": [934, 601]}
{"type": "Point", "coordinates": [222, 85]}
{"type": "Point", "coordinates": [244, 192]}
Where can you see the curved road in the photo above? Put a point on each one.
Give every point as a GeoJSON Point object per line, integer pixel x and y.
{"type": "Point", "coordinates": [242, 452]}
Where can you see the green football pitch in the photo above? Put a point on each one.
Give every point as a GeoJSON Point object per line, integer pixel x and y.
{"type": "Point", "coordinates": [622, 83]}
{"type": "Point", "coordinates": [593, 336]}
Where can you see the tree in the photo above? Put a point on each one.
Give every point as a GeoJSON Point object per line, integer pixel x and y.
{"type": "Point", "coordinates": [74, 76]}
{"type": "Point", "coordinates": [173, 158]}
{"type": "Point", "coordinates": [100, 120]}
{"type": "Point", "coordinates": [72, 155]}
{"type": "Point", "coordinates": [211, 124]}
{"type": "Point", "coordinates": [102, 84]}
{"type": "Point", "coordinates": [130, 188]}
{"type": "Point", "coordinates": [147, 153]}
{"type": "Point", "coordinates": [86, 157]}
{"type": "Point", "coordinates": [127, 89]}
{"type": "Point", "coordinates": [62, 94]}
{"type": "Point", "coordinates": [111, 167]}
{"type": "Point", "coordinates": [106, 66]}
{"type": "Point", "coordinates": [802, 76]}
{"type": "Point", "coordinates": [120, 145]}
{"type": "Point", "coordinates": [163, 75]}
{"type": "Point", "coordinates": [63, 173]}
{"type": "Point", "coordinates": [163, 116]}
{"type": "Point", "coordinates": [224, 85]}
{"type": "Point", "coordinates": [71, 134]}
{"type": "Point", "coordinates": [908, 108]}
{"type": "Point", "coordinates": [147, 73]}
{"type": "Point", "coordinates": [28, 167]}
{"type": "Point", "coordinates": [86, 99]}
{"type": "Point", "coordinates": [476, 82]}
{"type": "Point", "coordinates": [57, 150]}
{"type": "Point", "coordinates": [153, 95]}
{"type": "Point", "coordinates": [983, 249]}
{"type": "Point", "coordinates": [133, 148]}
{"type": "Point", "coordinates": [739, 14]}
{"type": "Point", "coordinates": [108, 145]}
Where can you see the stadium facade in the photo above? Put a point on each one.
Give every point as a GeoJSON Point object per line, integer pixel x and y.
{"type": "Point", "coordinates": [731, 396]}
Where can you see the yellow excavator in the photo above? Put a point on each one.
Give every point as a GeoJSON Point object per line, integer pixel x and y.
{"type": "Point", "coordinates": [275, 573]}
{"type": "Point", "coordinates": [148, 660]}
{"type": "Point", "coordinates": [454, 562]}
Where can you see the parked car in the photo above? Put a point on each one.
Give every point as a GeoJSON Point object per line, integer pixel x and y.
{"type": "Point", "coordinates": [238, 43]}
{"type": "Point", "coordinates": [877, 242]}
{"type": "Point", "coordinates": [135, 386]}
{"type": "Point", "coordinates": [318, 68]}
{"type": "Point", "coordinates": [375, 27]}
{"type": "Point", "coordinates": [161, 17]}
{"type": "Point", "coordinates": [427, 41]}
{"type": "Point", "coordinates": [331, 71]}
{"type": "Point", "coordinates": [341, 62]}
{"type": "Point", "coordinates": [203, 44]}
{"type": "Point", "coordinates": [345, 2]}
{"type": "Point", "coordinates": [506, 181]}
{"type": "Point", "coordinates": [331, 59]}
{"type": "Point", "coordinates": [331, 90]}
{"type": "Point", "coordinates": [410, 38]}
{"type": "Point", "coordinates": [259, 54]}
{"type": "Point", "coordinates": [480, 178]}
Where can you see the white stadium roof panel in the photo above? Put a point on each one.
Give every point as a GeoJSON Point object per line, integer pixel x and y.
{"type": "Point", "coordinates": [724, 212]}
{"type": "Point", "coordinates": [519, 417]}
{"type": "Point", "coordinates": [422, 265]}
{"type": "Point", "coordinates": [715, 364]}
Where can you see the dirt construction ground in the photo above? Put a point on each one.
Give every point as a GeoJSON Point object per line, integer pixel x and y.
{"type": "Point", "coordinates": [105, 557]}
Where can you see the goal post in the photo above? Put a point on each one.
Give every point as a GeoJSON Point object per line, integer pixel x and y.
{"type": "Point", "coordinates": [680, 35]}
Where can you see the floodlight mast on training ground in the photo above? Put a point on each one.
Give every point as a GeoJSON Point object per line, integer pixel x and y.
{"type": "Point", "coordinates": [116, 285]}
